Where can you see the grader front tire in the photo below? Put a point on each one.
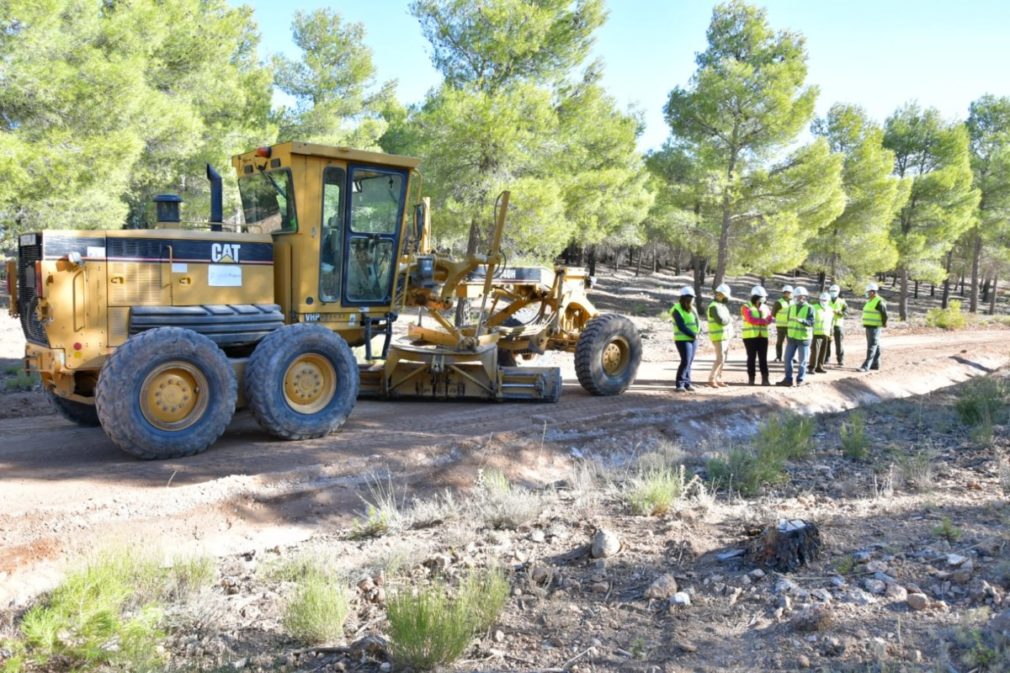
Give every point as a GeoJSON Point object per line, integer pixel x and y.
{"type": "Point", "coordinates": [166, 393]}
{"type": "Point", "coordinates": [84, 415]}
{"type": "Point", "coordinates": [607, 355]}
{"type": "Point", "coordinates": [301, 382]}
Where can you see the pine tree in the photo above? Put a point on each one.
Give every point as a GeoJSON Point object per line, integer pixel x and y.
{"type": "Point", "coordinates": [942, 202]}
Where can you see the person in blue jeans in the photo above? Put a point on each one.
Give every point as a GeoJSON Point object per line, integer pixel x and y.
{"type": "Point", "coordinates": [801, 332]}
{"type": "Point", "coordinates": [686, 327]}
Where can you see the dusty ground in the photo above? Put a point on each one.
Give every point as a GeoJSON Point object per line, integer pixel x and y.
{"type": "Point", "coordinates": [66, 490]}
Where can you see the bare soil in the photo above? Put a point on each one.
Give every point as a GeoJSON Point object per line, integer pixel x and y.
{"type": "Point", "coordinates": [65, 491]}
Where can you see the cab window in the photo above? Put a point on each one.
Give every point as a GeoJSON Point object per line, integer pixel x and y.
{"type": "Point", "coordinates": [268, 202]}
{"type": "Point", "coordinates": [332, 236]}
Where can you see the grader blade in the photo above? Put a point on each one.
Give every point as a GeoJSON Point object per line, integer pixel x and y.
{"type": "Point", "coordinates": [441, 373]}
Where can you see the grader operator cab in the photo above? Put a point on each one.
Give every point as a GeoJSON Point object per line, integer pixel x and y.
{"type": "Point", "coordinates": [160, 335]}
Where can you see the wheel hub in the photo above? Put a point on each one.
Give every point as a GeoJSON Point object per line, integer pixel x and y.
{"type": "Point", "coordinates": [615, 356]}
{"type": "Point", "coordinates": [173, 395]}
{"type": "Point", "coordinates": [310, 382]}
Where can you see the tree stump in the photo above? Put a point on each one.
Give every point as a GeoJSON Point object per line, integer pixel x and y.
{"type": "Point", "coordinates": [787, 546]}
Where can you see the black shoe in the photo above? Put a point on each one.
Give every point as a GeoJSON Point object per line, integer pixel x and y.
{"type": "Point", "coordinates": [785, 383]}
{"type": "Point", "coordinates": [765, 381]}
{"type": "Point", "coordinates": [821, 370]}
{"type": "Point", "coordinates": [811, 371]}
{"type": "Point", "coordinates": [680, 389]}
{"type": "Point", "coordinates": [800, 382]}
{"type": "Point", "coordinates": [689, 388]}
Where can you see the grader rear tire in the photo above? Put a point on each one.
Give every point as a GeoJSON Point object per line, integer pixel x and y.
{"type": "Point", "coordinates": [84, 415]}
{"type": "Point", "coordinates": [166, 393]}
{"type": "Point", "coordinates": [607, 355]}
{"type": "Point", "coordinates": [301, 382]}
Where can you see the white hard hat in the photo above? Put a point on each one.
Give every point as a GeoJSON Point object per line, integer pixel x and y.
{"type": "Point", "coordinates": [834, 289]}
{"type": "Point", "coordinates": [825, 296]}
{"type": "Point", "coordinates": [872, 287]}
{"type": "Point", "coordinates": [724, 290]}
{"type": "Point", "coordinates": [801, 291]}
{"type": "Point", "coordinates": [758, 291]}
{"type": "Point", "coordinates": [787, 288]}
{"type": "Point", "coordinates": [687, 291]}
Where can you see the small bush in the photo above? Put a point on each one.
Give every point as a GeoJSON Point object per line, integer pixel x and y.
{"type": "Point", "coordinates": [947, 530]}
{"type": "Point", "coordinates": [382, 512]}
{"type": "Point", "coordinates": [654, 492]}
{"type": "Point", "coordinates": [430, 628]}
{"type": "Point", "coordinates": [983, 401]}
{"type": "Point", "coordinates": [317, 611]}
{"type": "Point", "coordinates": [950, 318]}
{"type": "Point", "coordinates": [746, 470]}
{"type": "Point", "coordinates": [788, 435]}
{"type": "Point", "coordinates": [18, 381]}
{"type": "Point", "coordinates": [916, 470]}
{"type": "Point", "coordinates": [503, 505]}
{"type": "Point", "coordinates": [852, 435]}
{"type": "Point", "coordinates": [104, 616]}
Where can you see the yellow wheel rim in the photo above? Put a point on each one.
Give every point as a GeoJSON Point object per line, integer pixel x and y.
{"type": "Point", "coordinates": [310, 382]}
{"type": "Point", "coordinates": [615, 356]}
{"type": "Point", "coordinates": [173, 395]}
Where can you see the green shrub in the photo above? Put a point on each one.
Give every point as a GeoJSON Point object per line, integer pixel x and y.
{"type": "Point", "coordinates": [18, 381]}
{"type": "Point", "coordinates": [950, 318]}
{"type": "Point", "coordinates": [746, 470]}
{"type": "Point", "coordinates": [852, 435]}
{"type": "Point", "coordinates": [654, 491]}
{"type": "Point", "coordinates": [788, 435]}
{"type": "Point", "coordinates": [104, 616]}
{"type": "Point", "coordinates": [317, 611]}
{"type": "Point", "coordinates": [983, 401]}
{"type": "Point", "coordinates": [503, 505]}
{"type": "Point", "coordinates": [430, 628]}
{"type": "Point", "coordinates": [947, 530]}
{"type": "Point", "coordinates": [382, 512]}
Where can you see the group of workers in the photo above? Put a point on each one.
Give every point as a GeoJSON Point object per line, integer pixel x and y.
{"type": "Point", "coordinates": [803, 332]}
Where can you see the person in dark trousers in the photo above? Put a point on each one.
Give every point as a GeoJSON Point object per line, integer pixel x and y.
{"type": "Point", "coordinates": [756, 319]}
{"type": "Point", "coordinates": [686, 327]}
{"type": "Point", "coordinates": [840, 308]}
{"type": "Point", "coordinates": [824, 317]}
{"type": "Point", "coordinates": [780, 312]}
{"type": "Point", "coordinates": [874, 321]}
{"type": "Point", "coordinates": [801, 332]}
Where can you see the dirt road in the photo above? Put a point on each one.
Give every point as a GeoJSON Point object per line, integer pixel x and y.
{"type": "Point", "coordinates": [64, 489]}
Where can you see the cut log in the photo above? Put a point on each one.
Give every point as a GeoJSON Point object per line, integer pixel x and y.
{"type": "Point", "coordinates": [786, 546]}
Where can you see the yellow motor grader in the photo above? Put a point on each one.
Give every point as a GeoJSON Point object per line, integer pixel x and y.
{"type": "Point", "coordinates": [159, 335]}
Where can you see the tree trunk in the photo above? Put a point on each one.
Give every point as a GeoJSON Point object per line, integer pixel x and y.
{"type": "Point", "coordinates": [903, 294]}
{"type": "Point", "coordinates": [821, 279]}
{"type": "Point", "coordinates": [932, 290]}
{"type": "Point", "coordinates": [916, 289]}
{"type": "Point", "coordinates": [471, 249]}
{"type": "Point", "coordinates": [992, 297]}
{"type": "Point", "coordinates": [946, 281]}
{"type": "Point", "coordinates": [962, 284]}
{"type": "Point", "coordinates": [592, 260]}
{"type": "Point", "coordinates": [985, 290]}
{"type": "Point", "coordinates": [723, 256]}
{"type": "Point", "coordinates": [700, 266]}
{"type": "Point", "coordinates": [638, 267]}
{"type": "Point", "coordinates": [976, 255]}
{"type": "Point", "coordinates": [655, 258]}
{"type": "Point", "coordinates": [617, 260]}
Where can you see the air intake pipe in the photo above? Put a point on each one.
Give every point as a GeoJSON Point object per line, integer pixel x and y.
{"type": "Point", "coordinates": [216, 200]}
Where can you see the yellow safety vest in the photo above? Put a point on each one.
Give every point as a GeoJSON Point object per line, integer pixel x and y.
{"type": "Point", "coordinates": [871, 314]}
{"type": "Point", "coordinates": [839, 306]}
{"type": "Point", "coordinates": [782, 316]}
{"type": "Point", "coordinates": [758, 313]}
{"type": "Point", "coordinates": [798, 330]}
{"type": "Point", "coordinates": [691, 319]}
{"type": "Point", "coordinates": [716, 331]}
{"type": "Point", "coordinates": [824, 317]}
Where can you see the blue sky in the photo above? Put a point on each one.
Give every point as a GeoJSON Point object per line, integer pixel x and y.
{"type": "Point", "coordinates": [878, 54]}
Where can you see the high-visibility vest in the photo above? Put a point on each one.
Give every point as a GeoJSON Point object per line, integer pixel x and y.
{"type": "Point", "coordinates": [798, 330]}
{"type": "Point", "coordinates": [691, 319]}
{"type": "Point", "coordinates": [839, 306]}
{"type": "Point", "coordinates": [782, 315]}
{"type": "Point", "coordinates": [824, 317]}
{"type": "Point", "coordinates": [716, 331]}
{"type": "Point", "coordinates": [758, 313]}
{"type": "Point", "coordinates": [871, 312]}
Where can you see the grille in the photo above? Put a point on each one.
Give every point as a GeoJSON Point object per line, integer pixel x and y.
{"type": "Point", "coordinates": [27, 298]}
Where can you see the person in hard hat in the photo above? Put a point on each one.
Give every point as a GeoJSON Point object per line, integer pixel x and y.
{"type": "Point", "coordinates": [780, 311]}
{"type": "Point", "coordinates": [874, 321]}
{"type": "Point", "coordinates": [824, 317]}
{"type": "Point", "coordinates": [801, 332]}
{"type": "Point", "coordinates": [686, 326]}
{"type": "Point", "coordinates": [840, 308]}
{"type": "Point", "coordinates": [756, 319]}
{"type": "Point", "coordinates": [720, 330]}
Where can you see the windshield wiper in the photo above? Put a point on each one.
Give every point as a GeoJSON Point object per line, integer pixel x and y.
{"type": "Point", "coordinates": [277, 187]}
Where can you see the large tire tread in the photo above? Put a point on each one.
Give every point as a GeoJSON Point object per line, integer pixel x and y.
{"type": "Point", "coordinates": [588, 354]}
{"type": "Point", "coordinates": [264, 388]}
{"type": "Point", "coordinates": [117, 394]}
{"type": "Point", "coordinates": [84, 415]}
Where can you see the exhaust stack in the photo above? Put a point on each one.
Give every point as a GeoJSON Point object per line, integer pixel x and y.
{"type": "Point", "coordinates": [216, 200]}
